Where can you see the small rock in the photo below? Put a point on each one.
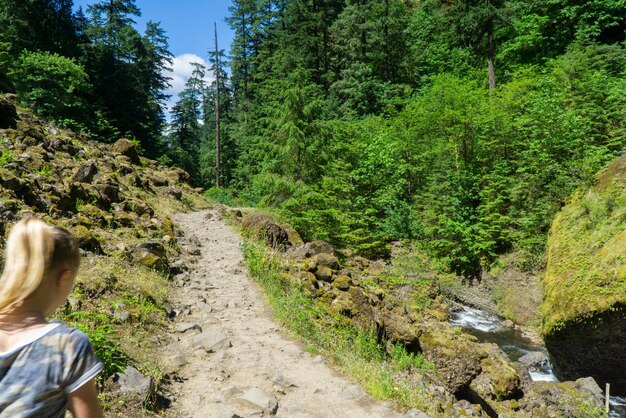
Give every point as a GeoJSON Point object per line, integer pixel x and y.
{"type": "Point", "coordinates": [351, 392]}
{"type": "Point", "coordinates": [414, 413]}
{"type": "Point", "coordinates": [85, 173]}
{"type": "Point", "coordinates": [132, 382]}
{"type": "Point", "coordinates": [224, 412]}
{"type": "Point", "coordinates": [187, 326]}
{"type": "Point", "coordinates": [121, 315]}
{"type": "Point", "coordinates": [259, 398]}
{"type": "Point", "coordinates": [318, 360]}
{"type": "Point", "coordinates": [535, 360]}
{"type": "Point", "coordinates": [282, 381]}
{"type": "Point", "coordinates": [230, 391]}
{"type": "Point", "coordinates": [211, 341]}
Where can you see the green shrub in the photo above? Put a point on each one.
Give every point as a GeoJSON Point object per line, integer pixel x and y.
{"type": "Point", "coordinates": [103, 338]}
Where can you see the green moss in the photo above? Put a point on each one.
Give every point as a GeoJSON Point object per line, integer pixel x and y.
{"type": "Point", "coordinates": [586, 271]}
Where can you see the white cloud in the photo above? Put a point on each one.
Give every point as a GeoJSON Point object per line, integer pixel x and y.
{"type": "Point", "coordinates": [179, 73]}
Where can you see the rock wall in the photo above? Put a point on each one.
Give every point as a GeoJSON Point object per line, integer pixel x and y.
{"type": "Point", "coordinates": [584, 308]}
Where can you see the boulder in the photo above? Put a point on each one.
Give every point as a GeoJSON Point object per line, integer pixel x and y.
{"type": "Point", "coordinates": [497, 382]}
{"type": "Point", "coordinates": [308, 250]}
{"type": "Point", "coordinates": [108, 193]}
{"type": "Point", "coordinates": [553, 399]}
{"type": "Point", "coordinates": [590, 386]}
{"type": "Point", "coordinates": [398, 327]}
{"type": "Point", "coordinates": [175, 192]}
{"type": "Point", "coordinates": [309, 281]}
{"type": "Point", "coordinates": [180, 175]}
{"type": "Point", "coordinates": [151, 254]}
{"type": "Point", "coordinates": [293, 236]}
{"type": "Point", "coordinates": [457, 356]}
{"type": "Point", "coordinates": [126, 148]}
{"type": "Point", "coordinates": [342, 283]}
{"type": "Point", "coordinates": [327, 260]}
{"type": "Point", "coordinates": [324, 274]}
{"type": "Point", "coordinates": [354, 304]}
{"type": "Point", "coordinates": [261, 226]}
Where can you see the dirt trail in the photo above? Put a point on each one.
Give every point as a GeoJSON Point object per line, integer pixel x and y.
{"type": "Point", "coordinates": [232, 357]}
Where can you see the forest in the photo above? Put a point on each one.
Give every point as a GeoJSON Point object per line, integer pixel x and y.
{"type": "Point", "coordinates": [463, 126]}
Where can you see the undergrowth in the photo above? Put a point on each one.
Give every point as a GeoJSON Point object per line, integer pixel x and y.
{"type": "Point", "coordinates": [386, 370]}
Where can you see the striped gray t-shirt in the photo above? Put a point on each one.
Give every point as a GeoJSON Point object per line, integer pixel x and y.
{"type": "Point", "coordinates": [37, 376]}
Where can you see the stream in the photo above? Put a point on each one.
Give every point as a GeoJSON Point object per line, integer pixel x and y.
{"type": "Point", "coordinates": [490, 328]}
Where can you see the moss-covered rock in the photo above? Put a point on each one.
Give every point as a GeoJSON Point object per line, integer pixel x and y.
{"type": "Point", "coordinates": [551, 399]}
{"type": "Point", "coordinates": [497, 381]}
{"type": "Point", "coordinates": [327, 260]}
{"type": "Point", "coordinates": [263, 227]}
{"type": "Point", "coordinates": [342, 283]}
{"type": "Point", "coordinates": [324, 273]}
{"type": "Point", "coordinates": [126, 148]}
{"type": "Point", "coordinates": [584, 308]}
{"type": "Point", "coordinates": [457, 357]}
{"type": "Point", "coordinates": [86, 240]}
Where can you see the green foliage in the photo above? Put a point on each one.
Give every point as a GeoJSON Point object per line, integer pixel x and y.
{"type": "Point", "coordinates": [143, 309]}
{"type": "Point", "coordinates": [103, 338]}
{"type": "Point", "coordinates": [45, 171]}
{"type": "Point", "coordinates": [6, 157]}
{"type": "Point", "coordinates": [53, 85]}
{"type": "Point", "coordinates": [221, 195]}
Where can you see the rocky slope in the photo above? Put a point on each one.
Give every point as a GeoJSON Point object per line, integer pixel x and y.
{"type": "Point", "coordinates": [118, 205]}
{"type": "Point", "coordinates": [402, 303]}
{"type": "Point", "coordinates": [584, 310]}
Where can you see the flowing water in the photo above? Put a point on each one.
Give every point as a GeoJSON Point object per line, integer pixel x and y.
{"type": "Point", "coordinates": [490, 328]}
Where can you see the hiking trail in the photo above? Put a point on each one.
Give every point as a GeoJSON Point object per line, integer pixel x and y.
{"type": "Point", "coordinates": [232, 358]}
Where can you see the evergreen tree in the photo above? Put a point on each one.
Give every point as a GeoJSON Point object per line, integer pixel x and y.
{"type": "Point", "coordinates": [186, 135]}
{"type": "Point", "coordinates": [122, 63]}
{"type": "Point", "coordinates": [40, 25]}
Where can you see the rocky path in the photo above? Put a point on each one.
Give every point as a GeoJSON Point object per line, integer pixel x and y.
{"type": "Point", "coordinates": [232, 358]}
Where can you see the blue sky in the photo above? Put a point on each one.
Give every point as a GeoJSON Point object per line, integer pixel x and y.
{"type": "Point", "coordinates": [189, 26]}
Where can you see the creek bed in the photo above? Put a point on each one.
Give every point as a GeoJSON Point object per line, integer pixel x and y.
{"type": "Point", "coordinates": [490, 328]}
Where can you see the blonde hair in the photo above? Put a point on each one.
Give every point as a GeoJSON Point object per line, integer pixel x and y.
{"type": "Point", "coordinates": [34, 249]}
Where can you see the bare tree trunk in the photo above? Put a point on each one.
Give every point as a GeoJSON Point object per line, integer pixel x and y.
{"type": "Point", "coordinates": [492, 52]}
{"type": "Point", "coordinates": [217, 111]}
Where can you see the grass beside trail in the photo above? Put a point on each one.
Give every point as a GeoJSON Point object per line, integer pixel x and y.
{"type": "Point", "coordinates": [386, 371]}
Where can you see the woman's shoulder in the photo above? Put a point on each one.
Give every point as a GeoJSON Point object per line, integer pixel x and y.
{"type": "Point", "coordinates": [65, 334]}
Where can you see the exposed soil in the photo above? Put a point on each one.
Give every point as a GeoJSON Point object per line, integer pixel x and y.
{"type": "Point", "coordinates": [232, 358]}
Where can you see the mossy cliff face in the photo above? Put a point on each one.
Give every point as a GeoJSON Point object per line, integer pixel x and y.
{"type": "Point", "coordinates": [584, 308]}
